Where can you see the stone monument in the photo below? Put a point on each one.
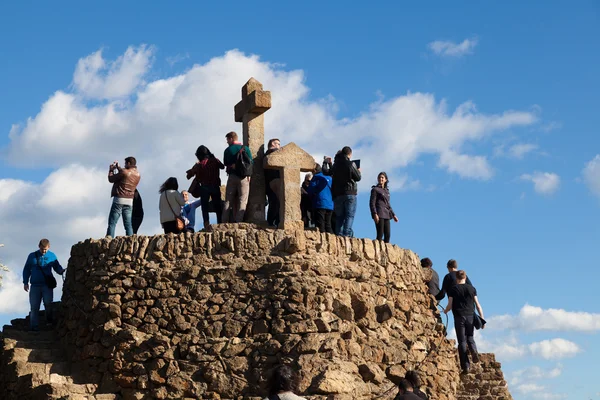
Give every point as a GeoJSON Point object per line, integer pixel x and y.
{"type": "Point", "coordinates": [249, 111]}
{"type": "Point", "coordinates": [290, 160]}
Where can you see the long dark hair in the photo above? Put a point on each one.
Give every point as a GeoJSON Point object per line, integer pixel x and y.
{"type": "Point", "coordinates": [385, 185]}
{"type": "Point", "coordinates": [203, 153]}
{"type": "Point", "coordinates": [284, 379]}
{"type": "Point", "coordinates": [169, 184]}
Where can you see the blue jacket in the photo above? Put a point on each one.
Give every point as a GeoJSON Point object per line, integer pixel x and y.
{"type": "Point", "coordinates": [319, 189]}
{"type": "Point", "coordinates": [47, 262]}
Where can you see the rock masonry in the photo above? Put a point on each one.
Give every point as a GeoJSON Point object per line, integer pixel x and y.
{"type": "Point", "coordinates": [208, 315]}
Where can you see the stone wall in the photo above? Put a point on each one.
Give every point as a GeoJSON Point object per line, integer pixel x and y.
{"type": "Point", "coordinates": [207, 315]}
{"type": "Point", "coordinates": [485, 381]}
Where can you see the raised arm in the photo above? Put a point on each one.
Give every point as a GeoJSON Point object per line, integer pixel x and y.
{"type": "Point", "coordinates": [112, 177]}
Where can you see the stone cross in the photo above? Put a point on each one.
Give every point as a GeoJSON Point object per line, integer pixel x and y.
{"type": "Point", "coordinates": [290, 160]}
{"type": "Point", "coordinates": [249, 111]}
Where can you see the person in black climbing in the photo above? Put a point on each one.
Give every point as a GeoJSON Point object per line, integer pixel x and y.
{"type": "Point", "coordinates": [405, 391]}
{"type": "Point", "coordinates": [449, 279]}
{"type": "Point", "coordinates": [434, 283]}
{"type": "Point", "coordinates": [462, 298]}
{"type": "Point", "coordinates": [415, 381]}
{"type": "Point", "coordinates": [283, 384]}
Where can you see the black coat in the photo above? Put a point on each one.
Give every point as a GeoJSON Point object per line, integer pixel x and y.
{"type": "Point", "coordinates": [380, 203]}
{"type": "Point", "coordinates": [345, 175]}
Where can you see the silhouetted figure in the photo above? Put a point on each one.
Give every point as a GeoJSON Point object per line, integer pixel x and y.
{"type": "Point", "coordinates": [272, 186]}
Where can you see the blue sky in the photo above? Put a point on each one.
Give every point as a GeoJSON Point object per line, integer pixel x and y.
{"type": "Point", "coordinates": [490, 136]}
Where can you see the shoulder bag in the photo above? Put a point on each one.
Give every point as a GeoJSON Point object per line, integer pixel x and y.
{"type": "Point", "coordinates": [180, 221]}
{"type": "Point", "coordinates": [50, 279]}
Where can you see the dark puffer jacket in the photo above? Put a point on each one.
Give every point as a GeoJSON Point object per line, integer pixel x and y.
{"type": "Point", "coordinates": [380, 203]}
{"type": "Point", "coordinates": [345, 176]}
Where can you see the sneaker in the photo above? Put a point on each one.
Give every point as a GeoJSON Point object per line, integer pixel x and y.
{"type": "Point", "coordinates": [475, 357]}
{"type": "Point", "coordinates": [465, 371]}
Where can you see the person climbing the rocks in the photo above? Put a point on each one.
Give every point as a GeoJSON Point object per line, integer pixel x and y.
{"type": "Point", "coordinates": [207, 183]}
{"type": "Point", "coordinates": [433, 284]}
{"type": "Point", "coordinates": [125, 181]}
{"type": "Point", "coordinates": [405, 391]}
{"type": "Point", "coordinates": [272, 185]}
{"type": "Point", "coordinates": [449, 279]}
{"type": "Point", "coordinates": [319, 190]}
{"type": "Point", "coordinates": [283, 384]}
{"type": "Point", "coordinates": [462, 299]}
{"type": "Point", "coordinates": [169, 205]}
{"type": "Point", "coordinates": [238, 167]}
{"type": "Point", "coordinates": [344, 190]}
{"type": "Point", "coordinates": [38, 271]}
{"type": "Point", "coordinates": [381, 208]}
{"type": "Point", "coordinates": [415, 381]}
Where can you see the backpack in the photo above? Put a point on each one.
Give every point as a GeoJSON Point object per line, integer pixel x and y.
{"type": "Point", "coordinates": [243, 163]}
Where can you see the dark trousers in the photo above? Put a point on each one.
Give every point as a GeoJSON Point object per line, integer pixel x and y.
{"type": "Point", "coordinates": [210, 193]}
{"type": "Point", "coordinates": [322, 219]}
{"type": "Point", "coordinates": [383, 230]}
{"type": "Point", "coordinates": [170, 227]}
{"type": "Point", "coordinates": [136, 222]}
{"type": "Point", "coordinates": [273, 210]}
{"type": "Point", "coordinates": [463, 324]}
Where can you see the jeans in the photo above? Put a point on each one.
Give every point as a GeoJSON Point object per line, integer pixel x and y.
{"type": "Point", "coordinates": [115, 213]}
{"type": "Point", "coordinates": [322, 220]}
{"type": "Point", "coordinates": [37, 293]}
{"type": "Point", "coordinates": [345, 209]}
{"type": "Point", "coordinates": [383, 230]}
{"type": "Point", "coordinates": [210, 193]}
{"type": "Point", "coordinates": [236, 198]}
{"type": "Point", "coordinates": [463, 324]}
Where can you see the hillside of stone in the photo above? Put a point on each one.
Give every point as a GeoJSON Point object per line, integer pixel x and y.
{"type": "Point", "coordinates": [208, 315]}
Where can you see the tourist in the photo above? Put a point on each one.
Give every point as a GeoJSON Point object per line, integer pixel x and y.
{"type": "Point", "coordinates": [272, 186]}
{"type": "Point", "coordinates": [125, 181]}
{"type": "Point", "coordinates": [344, 190]}
{"type": "Point", "coordinates": [38, 271]}
{"type": "Point", "coordinates": [306, 202]}
{"type": "Point", "coordinates": [283, 384]}
{"type": "Point", "coordinates": [238, 182]}
{"type": "Point", "coordinates": [415, 381]}
{"type": "Point", "coordinates": [405, 391]}
{"type": "Point", "coordinates": [381, 208]}
{"type": "Point", "coordinates": [434, 283]}
{"type": "Point", "coordinates": [207, 183]}
{"type": "Point", "coordinates": [319, 190]}
{"type": "Point", "coordinates": [462, 299]}
{"type": "Point", "coordinates": [449, 279]}
{"type": "Point", "coordinates": [169, 205]}
{"type": "Point", "coordinates": [137, 213]}
{"type": "Point", "coordinates": [188, 212]}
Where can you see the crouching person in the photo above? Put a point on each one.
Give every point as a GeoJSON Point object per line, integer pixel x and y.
{"type": "Point", "coordinates": [38, 271]}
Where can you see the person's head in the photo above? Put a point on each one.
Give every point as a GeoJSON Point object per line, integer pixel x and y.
{"type": "Point", "coordinates": [461, 276]}
{"type": "Point", "coordinates": [426, 262]}
{"type": "Point", "coordinates": [169, 184]}
{"type": "Point", "coordinates": [308, 177]}
{"type": "Point", "coordinates": [202, 152]}
{"type": "Point", "coordinates": [130, 162]}
{"type": "Point", "coordinates": [186, 195]}
{"type": "Point", "coordinates": [347, 151]}
{"type": "Point", "coordinates": [231, 137]}
{"type": "Point", "coordinates": [44, 245]}
{"type": "Point", "coordinates": [413, 378]}
{"type": "Point", "coordinates": [382, 179]}
{"type": "Point", "coordinates": [318, 168]}
{"type": "Point", "coordinates": [274, 144]}
{"type": "Point", "coordinates": [405, 386]}
{"type": "Point", "coordinates": [284, 379]}
{"type": "Point", "coordinates": [452, 265]}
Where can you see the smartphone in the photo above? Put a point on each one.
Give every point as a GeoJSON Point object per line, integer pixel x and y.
{"type": "Point", "coordinates": [357, 163]}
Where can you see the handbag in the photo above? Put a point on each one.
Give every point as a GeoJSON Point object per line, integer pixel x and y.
{"type": "Point", "coordinates": [478, 322]}
{"type": "Point", "coordinates": [50, 279]}
{"type": "Point", "coordinates": [194, 188]}
{"type": "Point", "coordinates": [180, 222]}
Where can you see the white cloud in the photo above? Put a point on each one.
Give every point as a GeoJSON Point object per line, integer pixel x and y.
{"type": "Point", "coordinates": [535, 373]}
{"type": "Point", "coordinates": [448, 48]}
{"type": "Point", "coordinates": [554, 349]}
{"type": "Point", "coordinates": [545, 183]}
{"type": "Point", "coordinates": [531, 318]}
{"type": "Point", "coordinates": [8, 187]}
{"type": "Point", "coordinates": [591, 175]}
{"type": "Point", "coordinates": [519, 150]}
{"type": "Point", "coordinates": [540, 392]}
{"type": "Point", "coordinates": [95, 78]}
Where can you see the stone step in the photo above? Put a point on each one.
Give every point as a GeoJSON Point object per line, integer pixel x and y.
{"type": "Point", "coordinates": [10, 332]}
{"type": "Point", "coordinates": [48, 355]}
{"type": "Point", "coordinates": [69, 391]}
